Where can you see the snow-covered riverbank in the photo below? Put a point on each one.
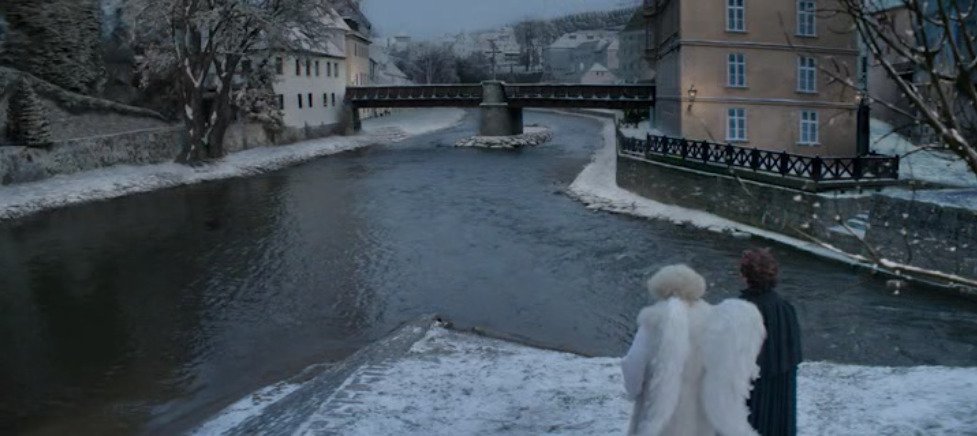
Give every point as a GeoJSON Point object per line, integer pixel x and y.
{"type": "Point", "coordinates": [24, 199]}
{"type": "Point", "coordinates": [457, 383]}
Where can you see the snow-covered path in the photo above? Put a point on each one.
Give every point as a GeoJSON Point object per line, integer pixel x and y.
{"type": "Point", "coordinates": [455, 383]}
{"type": "Point", "coordinates": [24, 199]}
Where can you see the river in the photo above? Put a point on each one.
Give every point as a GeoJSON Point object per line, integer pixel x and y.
{"type": "Point", "coordinates": [145, 314]}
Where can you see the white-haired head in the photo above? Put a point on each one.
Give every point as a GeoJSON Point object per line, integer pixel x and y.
{"type": "Point", "coordinates": [677, 281]}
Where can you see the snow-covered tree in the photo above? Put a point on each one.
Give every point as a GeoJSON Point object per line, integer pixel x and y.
{"type": "Point", "coordinates": [936, 41]}
{"type": "Point", "coordinates": [57, 40]}
{"type": "Point", "coordinates": [26, 123]}
{"type": "Point", "coordinates": [204, 42]}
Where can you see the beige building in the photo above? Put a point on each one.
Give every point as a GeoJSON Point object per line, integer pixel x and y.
{"type": "Point", "coordinates": [729, 71]}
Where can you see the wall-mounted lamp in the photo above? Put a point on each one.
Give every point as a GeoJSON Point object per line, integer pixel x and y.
{"type": "Point", "coordinates": [692, 94]}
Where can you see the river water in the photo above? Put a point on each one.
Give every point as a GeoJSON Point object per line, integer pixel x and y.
{"type": "Point", "coordinates": [147, 313]}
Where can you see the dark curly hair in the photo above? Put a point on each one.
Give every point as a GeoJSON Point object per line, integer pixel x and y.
{"type": "Point", "coordinates": [759, 268]}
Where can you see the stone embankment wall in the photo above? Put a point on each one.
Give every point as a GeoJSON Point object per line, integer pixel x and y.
{"type": "Point", "coordinates": [913, 231]}
{"type": "Point", "coordinates": [90, 133]}
{"type": "Point", "coordinates": [22, 164]}
{"type": "Point", "coordinates": [926, 234]}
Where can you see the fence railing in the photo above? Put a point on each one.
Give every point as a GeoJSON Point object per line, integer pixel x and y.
{"type": "Point", "coordinates": [415, 92]}
{"type": "Point", "coordinates": [644, 93]}
{"type": "Point", "coordinates": [813, 168]}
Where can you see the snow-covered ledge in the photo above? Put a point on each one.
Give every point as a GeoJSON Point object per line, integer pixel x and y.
{"type": "Point", "coordinates": [532, 136]}
{"type": "Point", "coordinates": [438, 381]}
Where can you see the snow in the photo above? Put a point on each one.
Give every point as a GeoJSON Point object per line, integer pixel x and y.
{"type": "Point", "coordinates": [457, 383]}
{"type": "Point", "coordinates": [24, 199]}
{"type": "Point", "coordinates": [935, 166]}
{"type": "Point", "coordinates": [245, 408]}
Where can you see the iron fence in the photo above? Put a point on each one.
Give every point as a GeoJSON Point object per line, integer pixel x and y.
{"type": "Point", "coordinates": [814, 168]}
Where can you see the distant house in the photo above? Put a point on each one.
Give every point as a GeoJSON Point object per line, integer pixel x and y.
{"type": "Point", "coordinates": [634, 67]}
{"type": "Point", "coordinates": [357, 42]}
{"type": "Point", "coordinates": [598, 74]}
{"type": "Point", "coordinates": [383, 70]}
{"type": "Point", "coordinates": [568, 58]}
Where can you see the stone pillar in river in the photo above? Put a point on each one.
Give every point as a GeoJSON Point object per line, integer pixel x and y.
{"type": "Point", "coordinates": [497, 118]}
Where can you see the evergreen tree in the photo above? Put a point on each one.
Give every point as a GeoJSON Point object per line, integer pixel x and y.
{"type": "Point", "coordinates": [57, 40]}
{"type": "Point", "coordinates": [26, 123]}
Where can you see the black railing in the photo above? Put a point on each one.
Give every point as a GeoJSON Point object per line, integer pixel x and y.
{"type": "Point", "coordinates": [643, 93]}
{"type": "Point", "coordinates": [814, 168]}
{"type": "Point", "coordinates": [471, 94]}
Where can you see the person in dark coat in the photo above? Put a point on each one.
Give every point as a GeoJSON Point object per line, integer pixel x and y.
{"type": "Point", "coordinates": [773, 401]}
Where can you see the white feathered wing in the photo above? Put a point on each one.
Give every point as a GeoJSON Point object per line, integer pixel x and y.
{"type": "Point", "coordinates": [732, 341]}
{"type": "Point", "coordinates": [670, 348]}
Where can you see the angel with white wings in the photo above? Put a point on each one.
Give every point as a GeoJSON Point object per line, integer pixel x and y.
{"type": "Point", "coordinates": [692, 364]}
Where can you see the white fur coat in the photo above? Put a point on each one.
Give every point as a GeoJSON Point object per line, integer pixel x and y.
{"type": "Point", "coordinates": [691, 367]}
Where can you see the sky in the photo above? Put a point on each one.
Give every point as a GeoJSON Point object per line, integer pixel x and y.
{"type": "Point", "coordinates": [429, 18]}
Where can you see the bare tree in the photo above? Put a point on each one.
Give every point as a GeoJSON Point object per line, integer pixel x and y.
{"type": "Point", "coordinates": [205, 41]}
{"type": "Point", "coordinates": [427, 63]}
{"type": "Point", "coordinates": [935, 40]}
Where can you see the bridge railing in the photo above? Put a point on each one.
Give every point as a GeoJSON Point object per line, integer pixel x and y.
{"type": "Point", "coordinates": [645, 93]}
{"type": "Point", "coordinates": [783, 164]}
{"type": "Point", "coordinates": [414, 92]}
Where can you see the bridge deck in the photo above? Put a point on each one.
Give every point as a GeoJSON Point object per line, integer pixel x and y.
{"type": "Point", "coordinates": [516, 95]}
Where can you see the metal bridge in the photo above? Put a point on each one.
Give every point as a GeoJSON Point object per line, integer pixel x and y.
{"type": "Point", "coordinates": [501, 103]}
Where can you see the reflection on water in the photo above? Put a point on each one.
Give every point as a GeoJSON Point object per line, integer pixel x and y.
{"type": "Point", "coordinates": [149, 312]}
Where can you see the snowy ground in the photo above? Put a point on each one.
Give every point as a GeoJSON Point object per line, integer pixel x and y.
{"type": "Point", "coordinates": [454, 383]}
{"type": "Point", "coordinates": [23, 199]}
{"type": "Point", "coordinates": [935, 166]}
{"type": "Point", "coordinates": [596, 186]}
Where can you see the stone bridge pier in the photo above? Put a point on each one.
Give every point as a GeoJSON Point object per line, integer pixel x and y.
{"type": "Point", "coordinates": [497, 117]}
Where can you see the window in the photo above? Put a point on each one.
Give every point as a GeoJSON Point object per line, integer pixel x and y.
{"type": "Point", "coordinates": [736, 70]}
{"type": "Point", "coordinates": [809, 128]}
{"type": "Point", "coordinates": [736, 124]}
{"type": "Point", "coordinates": [281, 102]}
{"type": "Point", "coordinates": [300, 101]}
{"type": "Point", "coordinates": [806, 24]}
{"type": "Point", "coordinates": [325, 100]}
{"type": "Point", "coordinates": [280, 66]}
{"type": "Point", "coordinates": [328, 69]}
{"type": "Point", "coordinates": [735, 16]}
{"type": "Point", "coordinates": [308, 67]}
{"type": "Point", "coordinates": [317, 68]}
{"type": "Point", "coordinates": [310, 100]}
{"type": "Point", "coordinates": [334, 99]}
{"type": "Point", "coordinates": [298, 67]}
{"type": "Point", "coordinates": [335, 69]}
{"type": "Point", "coordinates": [807, 74]}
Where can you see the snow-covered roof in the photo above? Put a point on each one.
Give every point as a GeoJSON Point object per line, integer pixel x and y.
{"type": "Point", "coordinates": [576, 39]}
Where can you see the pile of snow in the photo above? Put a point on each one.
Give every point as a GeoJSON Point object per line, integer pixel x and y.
{"type": "Point", "coordinates": [457, 383]}
{"type": "Point", "coordinates": [934, 166]}
{"type": "Point", "coordinates": [532, 136]}
{"type": "Point", "coordinates": [23, 199]}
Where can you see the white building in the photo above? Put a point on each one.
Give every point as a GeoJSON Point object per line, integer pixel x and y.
{"type": "Point", "coordinates": [311, 81]}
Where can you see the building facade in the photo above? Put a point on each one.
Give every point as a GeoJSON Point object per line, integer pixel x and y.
{"type": "Point", "coordinates": [727, 71]}
{"type": "Point", "coordinates": [310, 81]}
